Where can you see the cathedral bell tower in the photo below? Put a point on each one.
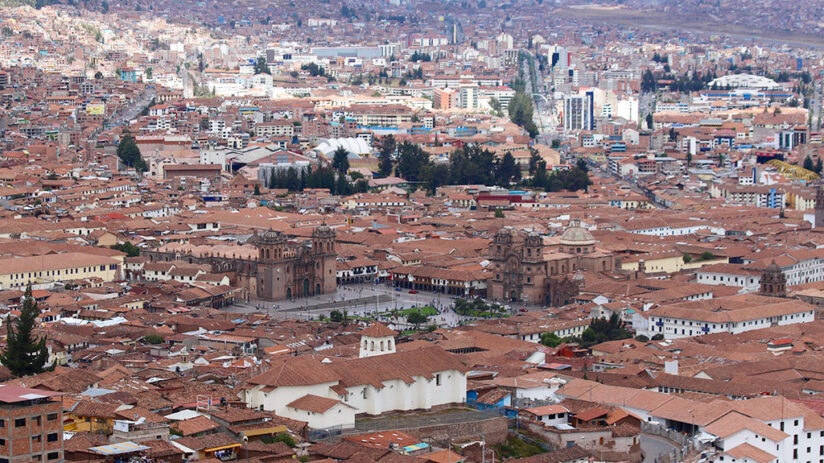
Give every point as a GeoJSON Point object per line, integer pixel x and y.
{"type": "Point", "coordinates": [819, 206]}
{"type": "Point", "coordinates": [325, 259]}
{"type": "Point", "coordinates": [773, 281]}
{"type": "Point", "coordinates": [272, 282]}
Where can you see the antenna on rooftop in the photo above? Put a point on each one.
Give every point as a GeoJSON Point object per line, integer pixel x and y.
{"type": "Point", "coordinates": [203, 401]}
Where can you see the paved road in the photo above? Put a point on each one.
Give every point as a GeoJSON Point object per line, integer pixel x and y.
{"type": "Point", "coordinates": [653, 446]}
{"type": "Point", "coordinates": [357, 300]}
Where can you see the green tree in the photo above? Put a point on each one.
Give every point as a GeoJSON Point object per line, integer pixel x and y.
{"type": "Point", "coordinates": [314, 69]}
{"type": "Point", "coordinates": [534, 159]}
{"type": "Point", "coordinates": [340, 160]}
{"type": "Point", "coordinates": [686, 258]}
{"type": "Point", "coordinates": [435, 176]}
{"type": "Point", "coordinates": [808, 163]}
{"type": "Point", "coordinates": [551, 339]}
{"type": "Point", "coordinates": [24, 354]}
{"type": "Point", "coordinates": [416, 318]}
{"type": "Point", "coordinates": [154, 339]}
{"type": "Point", "coordinates": [386, 149]}
{"type": "Point", "coordinates": [129, 153]}
{"type": "Point", "coordinates": [506, 170]}
{"type": "Point", "coordinates": [650, 122]}
{"type": "Point", "coordinates": [257, 190]}
{"type": "Point", "coordinates": [336, 316]}
{"type": "Point", "coordinates": [127, 247]}
{"type": "Point", "coordinates": [603, 330]}
{"type": "Point", "coordinates": [261, 67]}
{"type": "Point", "coordinates": [818, 165]}
{"type": "Point", "coordinates": [499, 213]}
{"type": "Point", "coordinates": [412, 161]}
{"type": "Point", "coordinates": [497, 109]}
{"type": "Point", "coordinates": [707, 255]}
{"type": "Point", "coordinates": [648, 82]}
{"type": "Point", "coordinates": [521, 112]}
{"type": "Point", "coordinates": [285, 438]}
{"type": "Point", "coordinates": [98, 75]}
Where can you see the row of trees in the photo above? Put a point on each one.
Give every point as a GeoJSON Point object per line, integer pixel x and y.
{"type": "Point", "coordinates": [521, 108]}
{"type": "Point", "coordinates": [467, 165]}
{"type": "Point", "coordinates": [521, 112]}
{"type": "Point", "coordinates": [573, 179]}
{"type": "Point", "coordinates": [417, 56]}
{"type": "Point", "coordinates": [681, 83]}
{"type": "Point", "coordinates": [472, 165]}
{"type": "Point", "coordinates": [815, 167]}
{"type": "Point", "coordinates": [293, 179]}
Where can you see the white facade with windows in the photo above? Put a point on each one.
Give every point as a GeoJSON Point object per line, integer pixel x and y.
{"type": "Point", "coordinates": [673, 327]}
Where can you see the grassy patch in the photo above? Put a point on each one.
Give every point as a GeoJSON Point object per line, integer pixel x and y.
{"type": "Point", "coordinates": [427, 310]}
{"type": "Point", "coordinates": [516, 448]}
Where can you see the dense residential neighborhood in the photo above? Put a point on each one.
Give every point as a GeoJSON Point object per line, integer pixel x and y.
{"type": "Point", "coordinates": [411, 232]}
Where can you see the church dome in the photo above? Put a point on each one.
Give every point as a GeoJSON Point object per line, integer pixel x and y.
{"type": "Point", "coordinates": [577, 235]}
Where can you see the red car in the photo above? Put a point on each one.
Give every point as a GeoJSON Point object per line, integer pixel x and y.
{"type": "Point", "coordinates": [522, 310]}
{"type": "Point", "coordinates": [412, 291]}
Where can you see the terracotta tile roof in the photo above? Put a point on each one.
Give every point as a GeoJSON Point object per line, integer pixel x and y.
{"type": "Point", "coordinates": [748, 451]}
{"type": "Point", "coordinates": [734, 422]}
{"type": "Point", "coordinates": [313, 403]}
{"type": "Point", "coordinates": [300, 371]}
{"type": "Point", "coordinates": [194, 426]}
{"type": "Point", "coordinates": [378, 330]}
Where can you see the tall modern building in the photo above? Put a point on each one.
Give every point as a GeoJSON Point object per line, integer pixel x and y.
{"type": "Point", "coordinates": [469, 96]}
{"type": "Point", "coordinates": [579, 112]}
{"type": "Point", "coordinates": [454, 31]}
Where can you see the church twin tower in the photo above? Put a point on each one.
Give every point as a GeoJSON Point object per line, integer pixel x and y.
{"type": "Point", "coordinates": [288, 271]}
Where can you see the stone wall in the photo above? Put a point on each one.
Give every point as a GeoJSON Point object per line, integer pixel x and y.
{"type": "Point", "coordinates": [494, 430]}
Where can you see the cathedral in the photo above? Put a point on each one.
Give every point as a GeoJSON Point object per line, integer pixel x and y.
{"type": "Point", "coordinates": [530, 268]}
{"type": "Point", "coordinates": [273, 268]}
{"type": "Point", "coordinates": [285, 271]}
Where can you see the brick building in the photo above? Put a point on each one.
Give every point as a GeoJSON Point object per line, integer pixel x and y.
{"type": "Point", "coordinates": [31, 425]}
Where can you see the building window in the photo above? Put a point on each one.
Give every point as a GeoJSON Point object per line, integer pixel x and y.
{"type": "Point", "coordinates": [53, 456]}
{"type": "Point", "coordinates": [51, 437]}
{"type": "Point", "coordinates": [19, 422]}
{"type": "Point", "coordinates": [438, 379]}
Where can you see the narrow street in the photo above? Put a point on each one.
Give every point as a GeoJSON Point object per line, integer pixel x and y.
{"type": "Point", "coordinates": [654, 446]}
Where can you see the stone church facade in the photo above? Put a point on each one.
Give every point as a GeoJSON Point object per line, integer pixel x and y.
{"type": "Point", "coordinates": [533, 269]}
{"type": "Point", "coordinates": [279, 270]}
{"type": "Point", "coordinates": [285, 271]}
